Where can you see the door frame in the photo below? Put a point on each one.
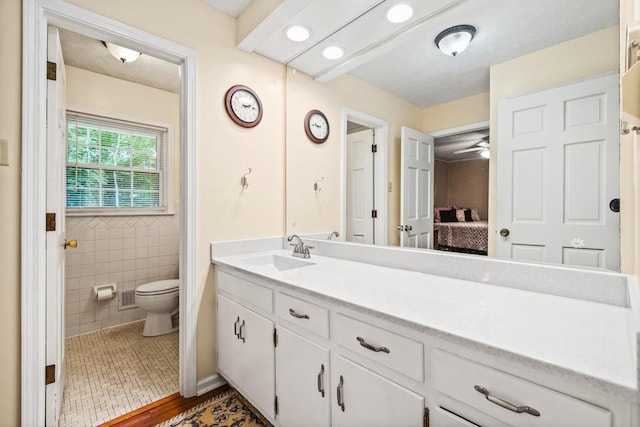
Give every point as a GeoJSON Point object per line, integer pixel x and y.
{"type": "Point", "coordinates": [36, 16]}
{"type": "Point", "coordinates": [381, 166]}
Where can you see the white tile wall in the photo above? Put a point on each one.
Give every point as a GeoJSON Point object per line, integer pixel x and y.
{"type": "Point", "coordinates": [126, 250]}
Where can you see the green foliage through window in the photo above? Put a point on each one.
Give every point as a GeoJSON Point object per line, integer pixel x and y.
{"type": "Point", "coordinates": [112, 164]}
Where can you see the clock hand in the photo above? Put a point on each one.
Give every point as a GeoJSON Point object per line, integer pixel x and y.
{"type": "Point", "coordinates": [315, 124]}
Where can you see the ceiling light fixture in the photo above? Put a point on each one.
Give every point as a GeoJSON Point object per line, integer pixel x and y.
{"type": "Point", "coordinates": [122, 53]}
{"type": "Point", "coordinates": [399, 13]}
{"type": "Point", "coordinates": [454, 40]}
{"type": "Point", "coordinates": [333, 52]}
{"type": "Point", "coordinates": [298, 33]}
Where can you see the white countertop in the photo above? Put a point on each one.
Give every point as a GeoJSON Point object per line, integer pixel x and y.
{"type": "Point", "coordinates": [590, 342]}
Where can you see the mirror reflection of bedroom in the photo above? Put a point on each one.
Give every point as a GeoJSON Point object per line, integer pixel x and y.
{"type": "Point", "coordinates": [461, 197]}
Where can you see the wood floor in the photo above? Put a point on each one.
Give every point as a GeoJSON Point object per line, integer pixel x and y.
{"type": "Point", "coordinates": [162, 410]}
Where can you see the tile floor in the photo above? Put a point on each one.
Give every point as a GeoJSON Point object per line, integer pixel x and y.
{"type": "Point", "coordinates": [114, 371]}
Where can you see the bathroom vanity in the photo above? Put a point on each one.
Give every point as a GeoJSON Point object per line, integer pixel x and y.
{"type": "Point", "coordinates": [359, 335]}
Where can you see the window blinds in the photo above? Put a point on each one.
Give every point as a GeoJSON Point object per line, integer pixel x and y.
{"type": "Point", "coordinates": [114, 163]}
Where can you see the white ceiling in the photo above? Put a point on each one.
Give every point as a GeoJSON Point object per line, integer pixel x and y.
{"type": "Point", "coordinates": [402, 59]}
{"type": "Point", "coordinates": [90, 54]}
{"type": "Point", "coordinates": [230, 7]}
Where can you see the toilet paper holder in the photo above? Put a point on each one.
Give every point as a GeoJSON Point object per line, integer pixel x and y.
{"type": "Point", "coordinates": [105, 292]}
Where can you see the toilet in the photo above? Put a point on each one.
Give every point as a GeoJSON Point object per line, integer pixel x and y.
{"type": "Point", "coordinates": [160, 301]}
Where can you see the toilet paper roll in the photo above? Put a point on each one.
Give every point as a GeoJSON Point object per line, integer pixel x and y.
{"type": "Point", "coordinates": [104, 294]}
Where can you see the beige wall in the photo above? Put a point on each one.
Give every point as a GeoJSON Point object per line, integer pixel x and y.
{"type": "Point", "coordinates": [308, 211]}
{"type": "Point", "coordinates": [464, 111]}
{"type": "Point", "coordinates": [10, 87]}
{"type": "Point", "coordinates": [463, 184]}
{"type": "Point", "coordinates": [440, 184]}
{"type": "Point", "coordinates": [554, 66]}
{"type": "Point", "coordinates": [469, 185]}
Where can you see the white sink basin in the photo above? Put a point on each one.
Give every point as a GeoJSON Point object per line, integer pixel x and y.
{"type": "Point", "coordinates": [279, 262]}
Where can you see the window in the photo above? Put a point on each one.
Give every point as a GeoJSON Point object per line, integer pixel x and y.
{"type": "Point", "coordinates": [115, 167]}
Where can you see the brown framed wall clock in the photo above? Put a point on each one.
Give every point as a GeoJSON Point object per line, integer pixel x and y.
{"type": "Point", "coordinates": [316, 126]}
{"type": "Point", "coordinates": [243, 106]}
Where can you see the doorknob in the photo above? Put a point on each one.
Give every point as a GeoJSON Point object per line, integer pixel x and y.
{"type": "Point", "coordinates": [71, 243]}
{"type": "Point", "coordinates": [504, 232]}
{"type": "Point", "coordinates": [408, 228]}
{"type": "Point", "coordinates": [400, 228]}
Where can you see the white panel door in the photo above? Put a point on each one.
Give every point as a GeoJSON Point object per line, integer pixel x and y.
{"type": "Point", "coordinates": [360, 189]}
{"type": "Point", "coordinates": [302, 381]}
{"type": "Point", "coordinates": [558, 170]}
{"type": "Point", "coordinates": [416, 189]}
{"type": "Point", "coordinates": [364, 398]}
{"type": "Point", "coordinates": [56, 188]}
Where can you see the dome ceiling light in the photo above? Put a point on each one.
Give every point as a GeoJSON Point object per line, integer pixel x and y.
{"type": "Point", "coordinates": [122, 53]}
{"type": "Point", "coordinates": [455, 40]}
{"type": "Point", "coordinates": [298, 33]}
{"type": "Point", "coordinates": [399, 13]}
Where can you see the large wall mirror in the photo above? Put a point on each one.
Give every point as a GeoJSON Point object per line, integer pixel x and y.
{"type": "Point", "coordinates": [520, 50]}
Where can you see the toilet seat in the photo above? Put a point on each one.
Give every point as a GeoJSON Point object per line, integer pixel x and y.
{"type": "Point", "coordinates": [160, 287]}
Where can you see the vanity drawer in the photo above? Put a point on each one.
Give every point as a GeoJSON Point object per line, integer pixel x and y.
{"type": "Point", "coordinates": [387, 348]}
{"type": "Point", "coordinates": [304, 314]}
{"type": "Point", "coordinates": [245, 290]}
{"type": "Point", "coordinates": [469, 382]}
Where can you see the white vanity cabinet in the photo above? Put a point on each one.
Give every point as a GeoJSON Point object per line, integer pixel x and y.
{"type": "Point", "coordinates": [364, 398]}
{"type": "Point", "coordinates": [245, 353]}
{"type": "Point", "coordinates": [302, 381]}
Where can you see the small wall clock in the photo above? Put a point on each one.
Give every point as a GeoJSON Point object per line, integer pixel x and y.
{"type": "Point", "coordinates": [316, 126]}
{"type": "Point", "coordinates": [243, 106]}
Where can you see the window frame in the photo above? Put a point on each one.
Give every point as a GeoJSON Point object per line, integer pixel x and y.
{"type": "Point", "coordinates": [166, 175]}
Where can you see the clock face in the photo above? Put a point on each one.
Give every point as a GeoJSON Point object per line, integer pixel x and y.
{"type": "Point", "coordinates": [243, 106]}
{"type": "Point", "coordinates": [316, 126]}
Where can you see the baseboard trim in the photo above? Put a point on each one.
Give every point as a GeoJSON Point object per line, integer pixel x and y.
{"type": "Point", "coordinates": [209, 383]}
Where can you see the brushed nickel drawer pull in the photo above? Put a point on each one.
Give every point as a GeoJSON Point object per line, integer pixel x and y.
{"type": "Point", "coordinates": [241, 334]}
{"type": "Point", "coordinates": [321, 380]}
{"type": "Point", "coordinates": [298, 315]}
{"type": "Point", "coordinates": [235, 328]}
{"type": "Point", "coordinates": [372, 347]}
{"type": "Point", "coordinates": [506, 405]}
{"type": "Point", "coordinates": [339, 395]}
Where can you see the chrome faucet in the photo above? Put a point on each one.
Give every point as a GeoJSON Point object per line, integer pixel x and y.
{"type": "Point", "coordinates": [300, 250]}
{"type": "Point", "coordinates": [333, 233]}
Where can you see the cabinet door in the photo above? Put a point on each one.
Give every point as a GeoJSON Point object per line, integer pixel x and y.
{"type": "Point", "coordinates": [258, 361]}
{"type": "Point", "coordinates": [229, 345]}
{"type": "Point", "coordinates": [363, 398]}
{"type": "Point", "coordinates": [302, 381]}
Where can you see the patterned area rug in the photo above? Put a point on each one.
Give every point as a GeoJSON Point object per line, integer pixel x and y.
{"type": "Point", "coordinates": [228, 409]}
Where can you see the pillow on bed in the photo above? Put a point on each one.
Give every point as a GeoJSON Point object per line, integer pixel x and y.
{"type": "Point", "coordinates": [448, 215]}
{"type": "Point", "coordinates": [436, 212]}
{"type": "Point", "coordinates": [460, 215]}
{"type": "Point", "coordinates": [474, 215]}
{"type": "Point", "coordinates": [467, 215]}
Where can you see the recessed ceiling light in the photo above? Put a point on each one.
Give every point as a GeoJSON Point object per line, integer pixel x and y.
{"type": "Point", "coordinates": [297, 33]}
{"type": "Point", "coordinates": [333, 52]}
{"type": "Point", "coordinates": [399, 13]}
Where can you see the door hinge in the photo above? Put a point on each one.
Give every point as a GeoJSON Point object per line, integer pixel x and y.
{"type": "Point", "coordinates": [275, 404]}
{"type": "Point", "coordinates": [50, 222]}
{"type": "Point", "coordinates": [374, 148]}
{"type": "Point", "coordinates": [275, 337]}
{"type": "Point", "coordinates": [49, 374]}
{"type": "Point", "coordinates": [51, 70]}
{"type": "Point", "coordinates": [374, 213]}
{"type": "Point", "coordinates": [425, 422]}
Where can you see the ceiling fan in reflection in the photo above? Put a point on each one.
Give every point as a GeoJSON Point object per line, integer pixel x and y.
{"type": "Point", "coordinates": [482, 147]}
